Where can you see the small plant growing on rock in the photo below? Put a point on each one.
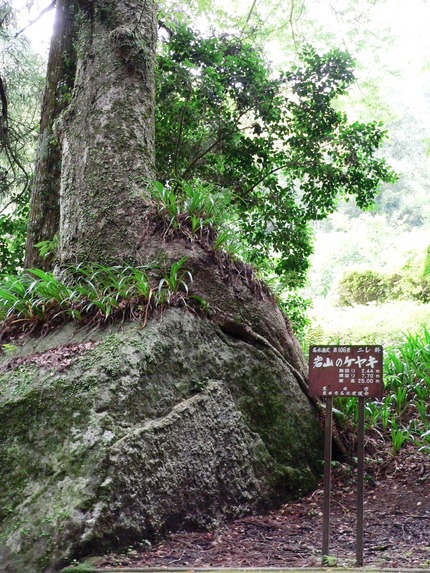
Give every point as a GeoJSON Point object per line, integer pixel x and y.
{"type": "Point", "coordinates": [92, 293]}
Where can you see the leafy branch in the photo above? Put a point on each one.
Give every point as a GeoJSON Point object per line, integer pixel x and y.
{"type": "Point", "coordinates": [226, 120]}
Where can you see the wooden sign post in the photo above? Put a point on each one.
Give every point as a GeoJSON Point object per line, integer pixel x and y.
{"type": "Point", "coordinates": [335, 372]}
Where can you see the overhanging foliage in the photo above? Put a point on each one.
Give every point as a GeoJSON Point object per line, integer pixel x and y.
{"type": "Point", "coordinates": [277, 143]}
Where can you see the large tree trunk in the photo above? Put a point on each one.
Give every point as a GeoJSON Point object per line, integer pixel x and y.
{"type": "Point", "coordinates": [44, 219]}
{"type": "Point", "coordinates": [107, 137]}
{"type": "Point", "coordinates": [189, 420]}
{"type": "Point", "coordinates": [107, 133]}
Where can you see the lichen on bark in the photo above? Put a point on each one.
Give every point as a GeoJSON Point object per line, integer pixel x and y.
{"type": "Point", "coordinates": [107, 134]}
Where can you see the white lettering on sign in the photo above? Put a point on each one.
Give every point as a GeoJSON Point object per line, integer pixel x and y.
{"type": "Point", "coordinates": [320, 362]}
{"type": "Point", "coordinates": [345, 371]}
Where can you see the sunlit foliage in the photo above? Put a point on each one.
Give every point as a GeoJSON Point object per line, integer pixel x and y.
{"type": "Point", "coordinates": [276, 142]}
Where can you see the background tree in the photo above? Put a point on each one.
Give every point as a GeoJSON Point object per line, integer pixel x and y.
{"type": "Point", "coordinates": [21, 83]}
{"type": "Point", "coordinates": [355, 26]}
{"type": "Point", "coordinates": [44, 217]}
{"type": "Point", "coordinates": [276, 144]}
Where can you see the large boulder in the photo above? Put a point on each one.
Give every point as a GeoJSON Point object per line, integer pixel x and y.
{"type": "Point", "coordinates": [117, 435]}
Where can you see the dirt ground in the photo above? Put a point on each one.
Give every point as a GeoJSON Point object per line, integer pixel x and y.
{"type": "Point", "coordinates": [397, 525]}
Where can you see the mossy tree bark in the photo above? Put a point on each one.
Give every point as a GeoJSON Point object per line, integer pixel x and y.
{"type": "Point", "coordinates": [256, 369]}
{"type": "Point", "coordinates": [44, 219]}
{"type": "Point", "coordinates": [107, 132]}
{"type": "Point", "coordinates": [106, 135]}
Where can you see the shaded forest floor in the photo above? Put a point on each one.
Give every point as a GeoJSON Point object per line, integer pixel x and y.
{"type": "Point", "coordinates": [397, 525]}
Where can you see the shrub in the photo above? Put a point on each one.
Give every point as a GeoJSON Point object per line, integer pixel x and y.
{"type": "Point", "coordinates": [362, 287]}
{"type": "Point", "coordinates": [395, 287]}
{"type": "Point", "coordinates": [421, 290]}
{"type": "Point", "coordinates": [426, 271]}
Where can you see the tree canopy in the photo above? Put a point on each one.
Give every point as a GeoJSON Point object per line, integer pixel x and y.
{"type": "Point", "coordinates": [275, 143]}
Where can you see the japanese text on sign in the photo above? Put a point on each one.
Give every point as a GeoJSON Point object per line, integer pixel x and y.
{"type": "Point", "coordinates": [345, 371]}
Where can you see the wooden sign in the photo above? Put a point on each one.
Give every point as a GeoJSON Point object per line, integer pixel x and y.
{"type": "Point", "coordinates": [336, 371]}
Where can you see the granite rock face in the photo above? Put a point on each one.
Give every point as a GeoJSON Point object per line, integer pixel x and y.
{"type": "Point", "coordinates": [110, 437]}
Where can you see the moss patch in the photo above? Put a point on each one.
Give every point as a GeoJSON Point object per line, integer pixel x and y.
{"type": "Point", "coordinates": [152, 429]}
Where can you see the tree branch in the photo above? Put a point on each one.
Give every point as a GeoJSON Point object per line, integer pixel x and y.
{"type": "Point", "coordinates": [3, 125]}
{"type": "Point", "coordinates": [249, 16]}
{"type": "Point", "coordinates": [44, 11]}
{"type": "Point", "coordinates": [14, 160]}
{"type": "Point", "coordinates": [217, 142]}
{"type": "Point", "coordinates": [266, 175]}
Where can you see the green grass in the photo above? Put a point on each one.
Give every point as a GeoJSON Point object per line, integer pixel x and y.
{"type": "Point", "coordinates": [403, 413]}
{"type": "Point", "coordinates": [197, 212]}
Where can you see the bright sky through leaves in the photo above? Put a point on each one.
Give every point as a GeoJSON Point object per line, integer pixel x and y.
{"type": "Point", "coordinates": [39, 33]}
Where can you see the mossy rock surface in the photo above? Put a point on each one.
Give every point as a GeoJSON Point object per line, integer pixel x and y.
{"type": "Point", "coordinates": [109, 437]}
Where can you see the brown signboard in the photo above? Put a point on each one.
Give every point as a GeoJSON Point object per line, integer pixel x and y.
{"type": "Point", "coordinates": [345, 371]}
